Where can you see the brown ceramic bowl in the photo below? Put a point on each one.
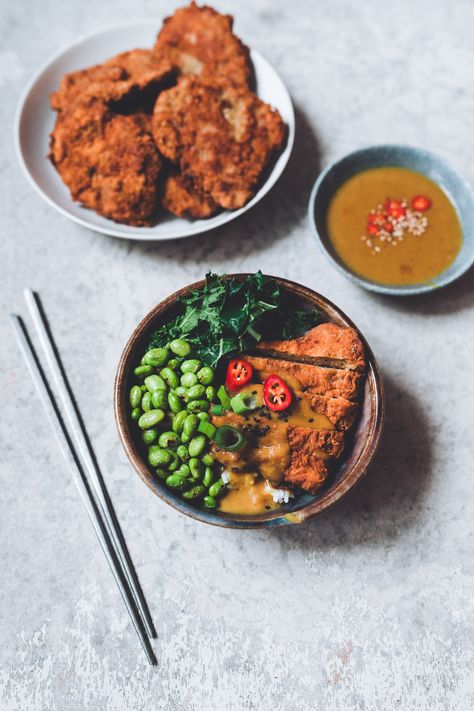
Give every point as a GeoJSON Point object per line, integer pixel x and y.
{"type": "Point", "coordinates": [361, 442]}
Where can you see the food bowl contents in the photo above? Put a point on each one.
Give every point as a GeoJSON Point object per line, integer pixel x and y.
{"type": "Point", "coordinates": [176, 127]}
{"type": "Point", "coordinates": [393, 226]}
{"type": "Point", "coordinates": [242, 401]}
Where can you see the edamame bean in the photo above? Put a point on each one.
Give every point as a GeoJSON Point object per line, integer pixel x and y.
{"type": "Point", "coordinates": [162, 473]}
{"type": "Point", "coordinates": [190, 425]}
{"type": "Point", "coordinates": [208, 477]}
{"type": "Point", "coordinates": [198, 405]}
{"type": "Point", "coordinates": [197, 445]}
{"type": "Point", "coordinates": [196, 467]}
{"type": "Point", "coordinates": [173, 363]}
{"type": "Point", "coordinates": [159, 399]}
{"type": "Point", "coordinates": [181, 392]}
{"type": "Point", "coordinates": [175, 481]}
{"type": "Point", "coordinates": [150, 419]}
{"type": "Point", "coordinates": [183, 470]}
{"type": "Point", "coordinates": [190, 366]}
{"type": "Point", "coordinates": [205, 375]}
{"type": "Point", "coordinates": [215, 489]}
{"type": "Point", "coordinates": [188, 380]}
{"type": "Point", "coordinates": [180, 347]}
{"type": "Point", "coordinates": [207, 459]}
{"type": "Point", "coordinates": [149, 436]}
{"type": "Point", "coordinates": [174, 402]}
{"type": "Point", "coordinates": [178, 421]}
{"type": "Point", "coordinates": [168, 439]}
{"type": "Point", "coordinates": [209, 502]}
{"type": "Point", "coordinates": [158, 457]}
{"type": "Point", "coordinates": [146, 402]}
{"type": "Point", "coordinates": [135, 396]}
{"type": "Point", "coordinates": [174, 463]}
{"type": "Point", "coordinates": [170, 377]}
{"type": "Point", "coordinates": [156, 356]}
{"type": "Point", "coordinates": [196, 392]}
{"type": "Point", "coordinates": [204, 416]}
{"type": "Point", "coordinates": [154, 382]}
{"type": "Point", "coordinates": [185, 438]}
{"type": "Point", "coordinates": [142, 371]}
{"type": "Point", "coordinates": [183, 453]}
{"type": "Point", "coordinates": [211, 394]}
{"type": "Point", "coordinates": [194, 493]}
{"type": "Point", "coordinates": [136, 414]}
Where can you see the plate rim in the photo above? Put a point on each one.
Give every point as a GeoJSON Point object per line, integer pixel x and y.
{"type": "Point", "coordinates": [135, 235]}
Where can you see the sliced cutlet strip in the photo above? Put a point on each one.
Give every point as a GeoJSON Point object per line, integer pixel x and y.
{"type": "Point", "coordinates": [341, 412]}
{"type": "Point", "coordinates": [310, 452]}
{"type": "Point", "coordinates": [326, 345]}
{"type": "Point", "coordinates": [331, 382]}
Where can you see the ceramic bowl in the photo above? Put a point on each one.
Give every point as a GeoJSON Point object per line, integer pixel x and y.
{"type": "Point", "coordinates": [361, 443]}
{"type": "Point", "coordinates": [419, 160]}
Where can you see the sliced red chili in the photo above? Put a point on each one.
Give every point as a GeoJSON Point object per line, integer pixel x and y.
{"type": "Point", "coordinates": [239, 373]}
{"type": "Point", "coordinates": [276, 393]}
{"type": "Point", "coordinates": [394, 208]}
{"type": "Point", "coordinates": [421, 203]}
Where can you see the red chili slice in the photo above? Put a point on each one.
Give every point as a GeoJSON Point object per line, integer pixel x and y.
{"type": "Point", "coordinates": [239, 372]}
{"type": "Point", "coordinates": [421, 203]}
{"type": "Point", "coordinates": [394, 208]}
{"type": "Point", "coordinates": [276, 393]}
{"type": "Point", "coordinates": [373, 230]}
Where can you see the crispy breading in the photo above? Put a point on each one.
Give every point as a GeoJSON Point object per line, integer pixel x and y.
{"type": "Point", "coordinates": [109, 162]}
{"type": "Point", "coordinates": [341, 412]}
{"type": "Point", "coordinates": [127, 75]}
{"type": "Point", "coordinates": [331, 382]}
{"type": "Point", "coordinates": [200, 41]}
{"type": "Point", "coordinates": [222, 136]}
{"type": "Point", "coordinates": [181, 197]}
{"type": "Point", "coordinates": [326, 344]}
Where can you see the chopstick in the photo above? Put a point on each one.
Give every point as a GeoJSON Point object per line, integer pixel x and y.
{"type": "Point", "coordinates": [80, 436]}
{"type": "Point", "coordinates": [72, 459]}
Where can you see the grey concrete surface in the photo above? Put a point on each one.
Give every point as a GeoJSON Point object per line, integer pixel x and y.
{"type": "Point", "coordinates": [371, 605]}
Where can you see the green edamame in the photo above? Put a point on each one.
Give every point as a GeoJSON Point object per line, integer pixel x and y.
{"type": "Point", "coordinates": [190, 366]}
{"type": "Point", "coordinates": [190, 425]}
{"type": "Point", "coordinates": [174, 402]}
{"type": "Point", "coordinates": [185, 438]}
{"type": "Point", "coordinates": [216, 488]}
{"type": "Point", "coordinates": [207, 459]}
{"type": "Point", "coordinates": [183, 453]}
{"type": "Point", "coordinates": [198, 405]}
{"type": "Point", "coordinates": [205, 375]}
{"type": "Point", "coordinates": [174, 461]}
{"type": "Point", "coordinates": [135, 396]}
{"type": "Point", "coordinates": [178, 421]}
{"type": "Point", "coordinates": [183, 470]}
{"type": "Point", "coordinates": [197, 445]}
{"type": "Point", "coordinates": [158, 457]}
{"type": "Point", "coordinates": [180, 347]}
{"type": "Point", "coordinates": [159, 399]}
{"type": "Point", "coordinates": [162, 473]}
{"type": "Point", "coordinates": [146, 402]}
{"type": "Point", "coordinates": [150, 419]}
{"type": "Point", "coordinates": [208, 477]}
{"type": "Point", "coordinates": [149, 436]}
{"type": "Point", "coordinates": [175, 481]}
{"type": "Point", "coordinates": [204, 416]}
{"type": "Point", "coordinates": [194, 493]}
{"type": "Point", "coordinates": [170, 377]}
{"type": "Point", "coordinates": [168, 440]}
{"type": "Point", "coordinates": [196, 392]}
{"type": "Point", "coordinates": [156, 357]}
{"type": "Point", "coordinates": [142, 371]}
{"type": "Point", "coordinates": [181, 392]}
{"type": "Point", "coordinates": [196, 467]}
{"type": "Point", "coordinates": [173, 363]}
{"type": "Point", "coordinates": [211, 394]}
{"type": "Point", "coordinates": [188, 380]}
{"type": "Point", "coordinates": [154, 382]}
{"type": "Point", "coordinates": [209, 502]}
{"type": "Point", "coordinates": [136, 414]}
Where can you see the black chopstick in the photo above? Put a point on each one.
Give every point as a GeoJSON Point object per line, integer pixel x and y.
{"type": "Point", "coordinates": [92, 507]}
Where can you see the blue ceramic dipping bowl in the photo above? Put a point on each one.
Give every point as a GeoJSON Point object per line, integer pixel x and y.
{"type": "Point", "coordinates": [429, 164]}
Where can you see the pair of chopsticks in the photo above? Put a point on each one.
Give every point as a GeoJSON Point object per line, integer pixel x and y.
{"type": "Point", "coordinates": [79, 455]}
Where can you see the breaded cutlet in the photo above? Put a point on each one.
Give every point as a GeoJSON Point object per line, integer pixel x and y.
{"type": "Point", "coordinates": [200, 41]}
{"type": "Point", "coordinates": [222, 136]}
{"type": "Point", "coordinates": [108, 161]}
{"type": "Point", "coordinates": [180, 196]}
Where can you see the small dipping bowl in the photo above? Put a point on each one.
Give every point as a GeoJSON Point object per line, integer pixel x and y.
{"type": "Point", "coordinates": [419, 160]}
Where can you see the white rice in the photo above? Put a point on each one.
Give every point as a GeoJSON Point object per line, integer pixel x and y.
{"type": "Point", "coordinates": [225, 476]}
{"type": "Point", "coordinates": [279, 496]}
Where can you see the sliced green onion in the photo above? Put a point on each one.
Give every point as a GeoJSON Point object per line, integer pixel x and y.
{"type": "Point", "coordinates": [243, 402]}
{"type": "Point", "coordinates": [223, 397]}
{"type": "Point", "coordinates": [207, 428]}
{"type": "Point", "coordinates": [217, 410]}
{"type": "Point", "coordinates": [229, 438]}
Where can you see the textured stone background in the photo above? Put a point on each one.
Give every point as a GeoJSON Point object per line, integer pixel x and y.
{"type": "Point", "coordinates": [371, 605]}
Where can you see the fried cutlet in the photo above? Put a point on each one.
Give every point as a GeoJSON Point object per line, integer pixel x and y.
{"type": "Point", "coordinates": [200, 41]}
{"type": "Point", "coordinates": [108, 161]}
{"type": "Point", "coordinates": [221, 136]}
{"type": "Point", "coordinates": [181, 197]}
{"type": "Point", "coordinates": [128, 75]}
{"type": "Point", "coordinates": [331, 382]}
{"type": "Point", "coordinates": [326, 344]}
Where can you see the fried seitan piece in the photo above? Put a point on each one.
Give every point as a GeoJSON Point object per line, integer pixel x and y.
{"type": "Point", "coordinates": [326, 344]}
{"type": "Point", "coordinates": [109, 162]}
{"type": "Point", "coordinates": [220, 135]}
{"type": "Point", "coordinates": [181, 197]}
{"type": "Point", "coordinates": [200, 41]}
{"type": "Point", "coordinates": [331, 382]}
{"type": "Point", "coordinates": [127, 75]}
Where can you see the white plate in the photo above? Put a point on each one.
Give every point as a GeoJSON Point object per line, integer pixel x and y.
{"type": "Point", "coordinates": [35, 120]}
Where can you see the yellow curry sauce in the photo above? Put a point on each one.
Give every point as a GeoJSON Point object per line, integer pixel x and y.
{"type": "Point", "coordinates": [410, 258]}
